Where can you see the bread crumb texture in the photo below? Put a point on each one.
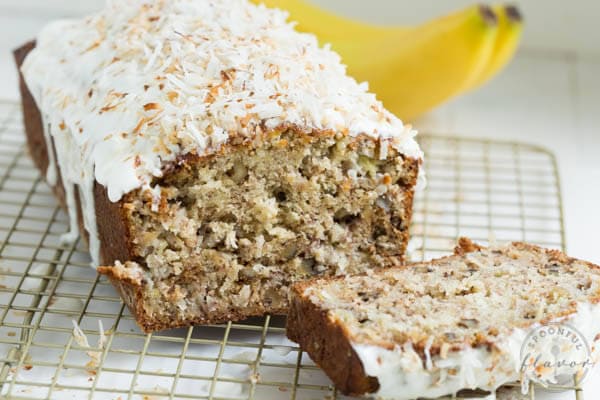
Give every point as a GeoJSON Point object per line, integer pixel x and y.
{"type": "Point", "coordinates": [227, 235]}
{"type": "Point", "coordinates": [470, 299]}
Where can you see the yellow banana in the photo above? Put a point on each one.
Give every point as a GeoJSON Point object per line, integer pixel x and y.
{"type": "Point", "coordinates": [412, 74]}
{"type": "Point", "coordinates": [510, 29]}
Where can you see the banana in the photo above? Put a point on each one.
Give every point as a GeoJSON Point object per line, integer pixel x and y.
{"type": "Point", "coordinates": [415, 68]}
{"type": "Point", "coordinates": [510, 30]}
{"type": "Point", "coordinates": [439, 60]}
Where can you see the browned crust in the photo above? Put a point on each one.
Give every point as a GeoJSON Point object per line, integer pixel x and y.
{"type": "Point", "coordinates": [328, 342]}
{"type": "Point", "coordinates": [130, 292]}
{"type": "Point", "coordinates": [31, 115]}
{"type": "Point", "coordinates": [113, 232]}
{"type": "Point", "coordinates": [112, 217]}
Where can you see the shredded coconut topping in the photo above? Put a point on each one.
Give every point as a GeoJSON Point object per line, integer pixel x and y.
{"type": "Point", "coordinates": [129, 89]}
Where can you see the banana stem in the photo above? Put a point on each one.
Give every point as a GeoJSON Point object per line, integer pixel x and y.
{"type": "Point", "coordinates": [488, 15]}
{"type": "Point", "coordinates": [513, 14]}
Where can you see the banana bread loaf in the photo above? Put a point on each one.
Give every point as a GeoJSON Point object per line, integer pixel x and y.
{"type": "Point", "coordinates": [211, 156]}
{"type": "Point", "coordinates": [433, 329]}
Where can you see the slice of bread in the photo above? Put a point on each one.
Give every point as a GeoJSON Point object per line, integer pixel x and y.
{"type": "Point", "coordinates": [435, 328]}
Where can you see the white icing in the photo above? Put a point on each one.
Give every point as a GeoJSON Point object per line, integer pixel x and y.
{"type": "Point", "coordinates": [86, 194]}
{"type": "Point", "coordinates": [51, 170]}
{"type": "Point", "coordinates": [402, 374]}
{"type": "Point", "coordinates": [64, 159]}
{"type": "Point", "coordinates": [141, 82]}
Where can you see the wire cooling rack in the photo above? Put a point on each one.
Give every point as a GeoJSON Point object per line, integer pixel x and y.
{"type": "Point", "coordinates": [481, 189]}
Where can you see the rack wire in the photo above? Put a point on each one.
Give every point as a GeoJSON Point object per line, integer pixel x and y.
{"type": "Point", "coordinates": [475, 188]}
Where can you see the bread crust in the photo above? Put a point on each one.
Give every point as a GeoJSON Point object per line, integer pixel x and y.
{"type": "Point", "coordinates": [116, 241]}
{"type": "Point", "coordinates": [327, 342]}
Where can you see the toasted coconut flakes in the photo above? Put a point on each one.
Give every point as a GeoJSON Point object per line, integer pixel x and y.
{"type": "Point", "coordinates": [93, 46]}
{"type": "Point", "coordinates": [141, 123]}
{"type": "Point", "coordinates": [107, 108]}
{"type": "Point", "coordinates": [152, 106]}
{"type": "Point", "coordinates": [172, 96]}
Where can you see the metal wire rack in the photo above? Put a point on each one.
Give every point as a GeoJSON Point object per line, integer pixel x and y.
{"type": "Point", "coordinates": [476, 189]}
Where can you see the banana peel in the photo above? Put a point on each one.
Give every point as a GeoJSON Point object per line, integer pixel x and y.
{"type": "Point", "coordinates": [414, 69]}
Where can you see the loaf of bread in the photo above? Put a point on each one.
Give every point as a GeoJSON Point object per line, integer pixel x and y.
{"type": "Point", "coordinates": [433, 329]}
{"type": "Point", "coordinates": [211, 156]}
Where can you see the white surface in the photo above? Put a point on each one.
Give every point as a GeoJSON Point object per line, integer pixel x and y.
{"type": "Point", "coordinates": [549, 97]}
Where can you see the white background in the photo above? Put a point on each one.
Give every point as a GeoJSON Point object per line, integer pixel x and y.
{"type": "Point", "coordinates": [549, 95]}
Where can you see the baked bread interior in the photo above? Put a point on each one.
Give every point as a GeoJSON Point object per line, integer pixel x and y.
{"type": "Point", "coordinates": [230, 233]}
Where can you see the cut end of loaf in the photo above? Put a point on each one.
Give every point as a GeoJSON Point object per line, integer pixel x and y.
{"type": "Point", "coordinates": [224, 237]}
